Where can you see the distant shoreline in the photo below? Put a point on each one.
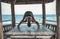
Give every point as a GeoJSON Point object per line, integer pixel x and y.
{"type": "Point", "coordinates": [23, 14]}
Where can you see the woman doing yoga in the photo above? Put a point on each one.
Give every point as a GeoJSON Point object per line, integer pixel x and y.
{"type": "Point", "coordinates": [28, 17]}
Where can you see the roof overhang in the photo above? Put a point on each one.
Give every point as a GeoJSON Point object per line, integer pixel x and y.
{"type": "Point", "coordinates": [28, 1]}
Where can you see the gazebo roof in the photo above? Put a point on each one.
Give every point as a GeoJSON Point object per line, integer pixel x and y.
{"type": "Point", "coordinates": [28, 1]}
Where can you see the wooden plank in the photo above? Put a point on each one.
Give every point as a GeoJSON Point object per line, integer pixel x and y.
{"type": "Point", "coordinates": [29, 1]}
{"type": "Point", "coordinates": [13, 13]}
{"type": "Point", "coordinates": [22, 36]}
{"type": "Point", "coordinates": [1, 29]}
{"type": "Point", "coordinates": [44, 37]}
{"type": "Point", "coordinates": [58, 18]}
{"type": "Point", "coordinates": [43, 10]}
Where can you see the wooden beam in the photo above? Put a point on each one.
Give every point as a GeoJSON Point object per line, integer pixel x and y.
{"type": "Point", "coordinates": [13, 13]}
{"type": "Point", "coordinates": [29, 1]}
{"type": "Point", "coordinates": [26, 1]}
{"type": "Point", "coordinates": [1, 29]}
{"type": "Point", "coordinates": [43, 10]}
{"type": "Point", "coordinates": [58, 18]}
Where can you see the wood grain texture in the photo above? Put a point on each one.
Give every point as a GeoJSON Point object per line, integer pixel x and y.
{"type": "Point", "coordinates": [1, 29]}
{"type": "Point", "coordinates": [43, 10]}
{"type": "Point", "coordinates": [58, 18]}
{"type": "Point", "coordinates": [27, 1]}
{"type": "Point", "coordinates": [13, 13]}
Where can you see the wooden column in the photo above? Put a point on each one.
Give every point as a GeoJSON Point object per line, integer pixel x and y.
{"type": "Point", "coordinates": [43, 10]}
{"type": "Point", "coordinates": [13, 13]}
{"type": "Point", "coordinates": [58, 18]}
{"type": "Point", "coordinates": [1, 29]}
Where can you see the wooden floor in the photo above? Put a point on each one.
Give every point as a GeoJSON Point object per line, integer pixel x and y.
{"type": "Point", "coordinates": [42, 31]}
{"type": "Point", "coordinates": [26, 38]}
{"type": "Point", "coordinates": [22, 38]}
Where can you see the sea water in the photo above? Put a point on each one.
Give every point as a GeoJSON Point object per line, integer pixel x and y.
{"type": "Point", "coordinates": [50, 18]}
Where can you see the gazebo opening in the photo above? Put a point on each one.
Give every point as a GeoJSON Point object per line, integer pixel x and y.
{"type": "Point", "coordinates": [43, 13]}
{"type": "Point", "coordinates": [36, 9]}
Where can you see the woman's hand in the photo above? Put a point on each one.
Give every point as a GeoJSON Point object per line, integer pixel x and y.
{"type": "Point", "coordinates": [38, 25]}
{"type": "Point", "coordinates": [18, 28]}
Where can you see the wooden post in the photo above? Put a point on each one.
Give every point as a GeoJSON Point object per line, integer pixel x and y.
{"type": "Point", "coordinates": [1, 29]}
{"type": "Point", "coordinates": [43, 10]}
{"type": "Point", "coordinates": [58, 18]}
{"type": "Point", "coordinates": [13, 13]}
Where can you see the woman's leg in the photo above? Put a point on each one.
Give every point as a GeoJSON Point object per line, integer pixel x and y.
{"type": "Point", "coordinates": [33, 20]}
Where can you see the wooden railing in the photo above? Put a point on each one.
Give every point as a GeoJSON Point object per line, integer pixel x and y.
{"type": "Point", "coordinates": [6, 28]}
{"type": "Point", "coordinates": [9, 26]}
{"type": "Point", "coordinates": [6, 20]}
{"type": "Point", "coordinates": [51, 27]}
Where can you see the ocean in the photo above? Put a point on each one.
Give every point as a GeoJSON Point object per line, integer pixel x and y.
{"type": "Point", "coordinates": [50, 18]}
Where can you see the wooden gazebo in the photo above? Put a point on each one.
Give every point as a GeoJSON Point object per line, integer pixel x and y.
{"type": "Point", "coordinates": [13, 2]}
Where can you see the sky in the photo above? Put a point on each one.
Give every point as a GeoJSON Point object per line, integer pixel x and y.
{"type": "Point", "coordinates": [35, 8]}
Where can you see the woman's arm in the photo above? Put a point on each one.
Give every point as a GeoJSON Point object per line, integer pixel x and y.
{"type": "Point", "coordinates": [18, 26]}
{"type": "Point", "coordinates": [37, 24]}
{"type": "Point", "coordinates": [20, 23]}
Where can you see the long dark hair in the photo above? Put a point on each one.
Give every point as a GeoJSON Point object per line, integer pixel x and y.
{"type": "Point", "coordinates": [28, 13]}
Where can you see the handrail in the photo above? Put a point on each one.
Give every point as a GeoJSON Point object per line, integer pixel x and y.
{"type": "Point", "coordinates": [52, 27]}
{"type": "Point", "coordinates": [6, 20]}
{"type": "Point", "coordinates": [51, 21]}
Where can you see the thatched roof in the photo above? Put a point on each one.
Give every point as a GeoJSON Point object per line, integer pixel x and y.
{"type": "Point", "coordinates": [28, 1]}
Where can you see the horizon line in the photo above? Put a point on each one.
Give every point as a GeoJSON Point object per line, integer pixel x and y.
{"type": "Point", "coordinates": [23, 14]}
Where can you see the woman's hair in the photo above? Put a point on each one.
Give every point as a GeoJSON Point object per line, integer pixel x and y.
{"type": "Point", "coordinates": [28, 13]}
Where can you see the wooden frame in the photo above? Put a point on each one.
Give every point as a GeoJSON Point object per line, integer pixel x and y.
{"type": "Point", "coordinates": [13, 13]}
{"type": "Point", "coordinates": [58, 18]}
{"type": "Point", "coordinates": [28, 1]}
{"type": "Point", "coordinates": [43, 10]}
{"type": "Point", "coordinates": [43, 4]}
{"type": "Point", "coordinates": [1, 29]}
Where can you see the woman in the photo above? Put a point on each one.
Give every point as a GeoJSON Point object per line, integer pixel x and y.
{"type": "Point", "coordinates": [28, 17]}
